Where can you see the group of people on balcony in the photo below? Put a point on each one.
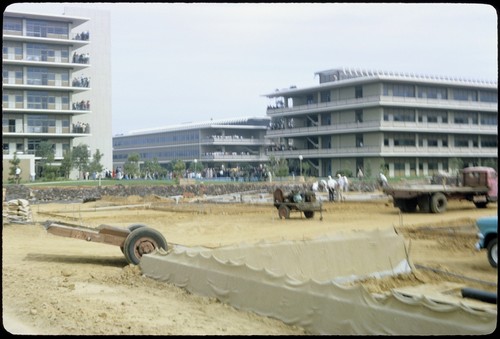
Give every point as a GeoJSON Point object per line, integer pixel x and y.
{"type": "Point", "coordinates": [84, 36]}
{"type": "Point", "coordinates": [82, 105]}
{"type": "Point", "coordinates": [210, 154]}
{"type": "Point", "coordinates": [81, 127]}
{"type": "Point", "coordinates": [281, 123]}
{"type": "Point", "coordinates": [81, 82]}
{"type": "Point", "coordinates": [226, 137]}
{"type": "Point", "coordinates": [279, 104]}
{"type": "Point", "coordinates": [83, 58]}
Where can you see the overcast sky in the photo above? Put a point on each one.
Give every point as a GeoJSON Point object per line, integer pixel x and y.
{"type": "Point", "coordinates": [217, 61]}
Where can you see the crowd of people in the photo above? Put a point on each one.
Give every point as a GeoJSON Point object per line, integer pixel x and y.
{"type": "Point", "coordinates": [82, 105]}
{"type": "Point", "coordinates": [337, 187]}
{"type": "Point", "coordinates": [83, 58]}
{"type": "Point", "coordinates": [81, 127]}
{"type": "Point", "coordinates": [81, 82]}
{"type": "Point", "coordinates": [83, 36]}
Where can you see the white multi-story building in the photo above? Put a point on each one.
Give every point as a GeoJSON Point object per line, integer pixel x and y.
{"type": "Point", "coordinates": [56, 85]}
{"type": "Point", "coordinates": [399, 123]}
{"type": "Point", "coordinates": [219, 145]}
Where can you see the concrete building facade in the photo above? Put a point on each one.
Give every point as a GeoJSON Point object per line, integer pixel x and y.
{"type": "Point", "coordinates": [398, 123]}
{"type": "Point", "coordinates": [56, 87]}
{"type": "Point", "coordinates": [218, 145]}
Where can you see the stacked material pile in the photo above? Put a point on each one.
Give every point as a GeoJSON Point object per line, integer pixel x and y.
{"type": "Point", "coordinates": [16, 211]}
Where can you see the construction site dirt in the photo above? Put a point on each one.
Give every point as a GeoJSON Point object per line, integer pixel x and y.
{"type": "Point", "coordinates": [61, 286]}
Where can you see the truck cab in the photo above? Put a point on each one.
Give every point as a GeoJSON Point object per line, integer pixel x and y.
{"type": "Point", "coordinates": [479, 177]}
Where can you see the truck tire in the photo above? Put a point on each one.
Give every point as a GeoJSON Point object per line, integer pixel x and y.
{"type": "Point", "coordinates": [143, 240]}
{"type": "Point", "coordinates": [482, 204]}
{"type": "Point", "coordinates": [284, 212]}
{"type": "Point", "coordinates": [493, 252]}
{"type": "Point", "coordinates": [411, 205]}
{"type": "Point", "coordinates": [424, 204]}
{"type": "Point", "coordinates": [438, 203]}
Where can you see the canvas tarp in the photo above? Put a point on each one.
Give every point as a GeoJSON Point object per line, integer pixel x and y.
{"type": "Point", "coordinates": [303, 283]}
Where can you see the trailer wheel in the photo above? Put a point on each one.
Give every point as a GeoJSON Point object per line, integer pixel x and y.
{"type": "Point", "coordinates": [438, 203]}
{"type": "Point", "coordinates": [131, 228]}
{"type": "Point", "coordinates": [309, 214]}
{"type": "Point", "coordinates": [284, 212]}
{"type": "Point", "coordinates": [493, 252]}
{"type": "Point", "coordinates": [143, 240]}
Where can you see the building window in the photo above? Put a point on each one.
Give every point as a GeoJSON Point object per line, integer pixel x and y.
{"type": "Point", "coordinates": [359, 115]}
{"type": "Point", "coordinates": [444, 141]}
{"type": "Point", "coordinates": [464, 95]}
{"type": "Point", "coordinates": [358, 92]}
{"type": "Point", "coordinates": [38, 28]}
{"type": "Point", "coordinates": [461, 118]}
{"type": "Point", "coordinates": [489, 141]}
{"type": "Point", "coordinates": [461, 141]}
{"type": "Point", "coordinates": [489, 119]}
{"type": "Point", "coordinates": [400, 114]}
{"type": "Point", "coordinates": [13, 26]}
{"type": "Point", "coordinates": [325, 96]}
{"type": "Point", "coordinates": [399, 90]}
{"type": "Point", "coordinates": [488, 96]}
{"type": "Point", "coordinates": [432, 93]}
{"type": "Point", "coordinates": [404, 139]}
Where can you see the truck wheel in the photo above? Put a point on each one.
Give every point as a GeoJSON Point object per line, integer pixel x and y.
{"type": "Point", "coordinates": [493, 252]}
{"type": "Point", "coordinates": [438, 203]}
{"type": "Point", "coordinates": [131, 228]}
{"type": "Point", "coordinates": [481, 204]}
{"type": "Point", "coordinates": [284, 212]}
{"type": "Point", "coordinates": [424, 204]}
{"type": "Point", "coordinates": [143, 240]}
{"type": "Point", "coordinates": [411, 205]}
{"type": "Point", "coordinates": [309, 214]}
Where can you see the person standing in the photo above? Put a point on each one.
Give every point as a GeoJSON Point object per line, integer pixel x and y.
{"type": "Point", "coordinates": [18, 174]}
{"type": "Point", "coordinates": [346, 184]}
{"type": "Point", "coordinates": [332, 185]}
{"type": "Point", "coordinates": [340, 187]}
{"type": "Point", "coordinates": [360, 174]}
{"type": "Point", "coordinates": [382, 180]}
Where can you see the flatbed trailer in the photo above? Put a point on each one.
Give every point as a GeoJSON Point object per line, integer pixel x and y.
{"type": "Point", "coordinates": [134, 241]}
{"type": "Point", "coordinates": [476, 184]}
{"type": "Point", "coordinates": [307, 204]}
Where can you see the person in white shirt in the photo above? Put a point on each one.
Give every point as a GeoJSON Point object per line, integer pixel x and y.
{"type": "Point", "coordinates": [315, 186]}
{"type": "Point", "coordinates": [18, 175]}
{"type": "Point", "coordinates": [346, 184]}
{"type": "Point", "coordinates": [382, 180]}
{"type": "Point", "coordinates": [340, 187]}
{"type": "Point", "coordinates": [332, 185]}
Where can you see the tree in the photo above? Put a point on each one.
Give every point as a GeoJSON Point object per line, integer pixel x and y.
{"type": "Point", "coordinates": [178, 168]}
{"type": "Point", "coordinates": [95, 165]}
{"type": "Point", "coordinates": [45, 151]}
{"type": "Point", "coordinates": [281, 168]}
{"type": "Point", "coordinates": [80, 157]}
{"type": "Point", "coordinates": [455, 164]}
{"type": "Point", "coordinates": [12, 169]}
{"type": "Point", "coordinates": [131, 166]}
{"type": "Point", "coordinates": [66, 164]}
{"type": "Point", "coordinates": [306, 167]}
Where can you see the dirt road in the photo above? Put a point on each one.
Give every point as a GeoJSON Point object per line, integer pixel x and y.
{"type": "Point", "coordinates": [56, 285]}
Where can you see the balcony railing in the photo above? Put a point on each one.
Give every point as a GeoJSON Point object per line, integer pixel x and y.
{"type": "Point", "coordinates": [380, 99]}
{"type": "Point", "coordinates": [385, 151]}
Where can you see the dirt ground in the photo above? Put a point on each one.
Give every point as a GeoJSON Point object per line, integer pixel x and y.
{"type": "Point", "coordinates": [56, 285]}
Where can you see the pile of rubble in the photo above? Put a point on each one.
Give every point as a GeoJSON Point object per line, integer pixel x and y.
{"type": "Point", "coordinates": [16, 211]}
